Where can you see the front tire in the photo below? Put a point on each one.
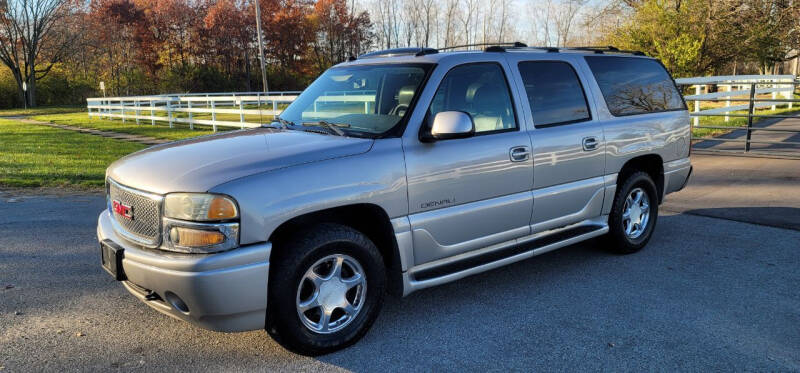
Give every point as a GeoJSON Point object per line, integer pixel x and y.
{"type": "Point", "coordinates": [326, 288]}
{"type": "Point", "coordinates": [633, 215]}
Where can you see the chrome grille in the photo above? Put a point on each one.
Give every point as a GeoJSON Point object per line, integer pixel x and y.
{"type": "Point", "coordinates": [145, 226]}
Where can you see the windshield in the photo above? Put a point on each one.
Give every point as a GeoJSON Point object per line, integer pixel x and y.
{"type": "Point", "coordinates": [370, 99]}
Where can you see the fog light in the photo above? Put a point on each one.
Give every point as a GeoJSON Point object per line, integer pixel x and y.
{"type": "Point", "coordinates": [195, 237]}
{"type": "Point", "coordinates": [176, 302]}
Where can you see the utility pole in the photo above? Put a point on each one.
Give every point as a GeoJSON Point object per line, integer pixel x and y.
{"type": "Point", "coordinates": [261, 47]}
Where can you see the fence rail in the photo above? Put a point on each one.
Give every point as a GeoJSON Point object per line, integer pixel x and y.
{"type": "Point", "coordinates": [242, 110]}
{"type": "Point", "coordinates": [741, 93]}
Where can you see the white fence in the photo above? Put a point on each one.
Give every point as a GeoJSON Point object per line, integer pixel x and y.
{"type": "Point", "coordinates": [732, 86]}
{"type": "Point", "coordinates": [214, 109]}
{"type": "Point", "coordinates": [252, 109]}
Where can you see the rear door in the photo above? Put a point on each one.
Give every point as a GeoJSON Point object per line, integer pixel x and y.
{"type": "Point", "coordinates": [568, 142]}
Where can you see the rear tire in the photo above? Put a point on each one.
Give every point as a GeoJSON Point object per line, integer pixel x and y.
{"type": "Point", "coordinates": [312, 309]}
{"type": "Point", "coordinates": [633, 215]}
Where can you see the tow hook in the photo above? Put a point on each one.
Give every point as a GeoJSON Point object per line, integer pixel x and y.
{"type": "Point", "coordinates": [151, 296]}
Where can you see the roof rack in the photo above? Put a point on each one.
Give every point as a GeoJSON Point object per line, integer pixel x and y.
{"type": "Point", "coordinates": [493, 47]}
{"type": "Point", "coordinates": [418, 51]}
{"type": "Point", "coordinates": [399, 52]}
{"type": "Point", "coordinates": [488, 46]}
{"type": "Point", "coordinates": [604, 49]}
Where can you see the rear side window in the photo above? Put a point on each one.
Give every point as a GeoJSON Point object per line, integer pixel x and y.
{"type": "Point", "coordinates": [635, 85]}
{"type": "Point", "coordinates": [554, 92]}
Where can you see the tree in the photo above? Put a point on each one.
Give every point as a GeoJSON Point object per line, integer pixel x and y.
{"type": "Point", "coordinates": [34, 36]}
{"type": "Point", "coordinates": [339, 33]}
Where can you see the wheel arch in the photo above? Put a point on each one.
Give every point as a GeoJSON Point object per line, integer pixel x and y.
{"type": "Point", "coordinates": [652, 164]}
{"type": "Point", "coordinates": [369, 219]}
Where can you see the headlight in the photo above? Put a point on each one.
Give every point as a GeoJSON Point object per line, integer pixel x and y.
{"type": "Point", "coordinates": [199, 223]}
{"type": "Point", "coordinates": [199, 238]}
{"type": "Point", "coordinates": [199, 207]}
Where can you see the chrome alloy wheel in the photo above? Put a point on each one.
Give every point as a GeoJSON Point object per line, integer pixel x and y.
{"type": "Point", "coordinates": [331, 294]}
{"type": "Point", "coordinates": [636, 213]}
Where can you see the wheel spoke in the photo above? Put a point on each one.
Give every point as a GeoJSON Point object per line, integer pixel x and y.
{"type": "Point", "coordinates": [336, 271]}
{"type": "Point", "coordinates": [315, 279]}
{"type": "Point", "coordinates": [637, 196]}
{"type": "Point", "coordinates": [349, 309]}
{"type": "Point", "coordinates": [351, 282]}
{"type": "Point", "coordinates": [324, 320]}
{"type": "Point", "coordinates": [628, 228]}
{"type": "Point", "coordinates": [310, 304]}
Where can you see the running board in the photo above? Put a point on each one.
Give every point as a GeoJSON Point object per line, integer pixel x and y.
{"type": "Point", "coordinates": [432, 275]}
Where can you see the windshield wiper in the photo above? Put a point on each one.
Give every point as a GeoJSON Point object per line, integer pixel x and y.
{"type": "Point", "coordinates": [334, 127]}
{"type": "Point", "coordinates": [284, 124]}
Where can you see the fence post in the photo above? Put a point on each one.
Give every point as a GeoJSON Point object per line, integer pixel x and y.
{"type": "Point", "coordinates": [750, 113]}
{"type": "Point", "coordinates": [169, 111]}
{"type": "Point", "coordinates": [213, 115]}
{"type": "Point", "coordinates": [774, 95]}
{"type": "Point", "coordinates": [122, 110]}
{"type": "Point", "coordinates": [241, 112]}
{"type": "Point", "coordinates": [696, 105]}
{"type": "Point", "coordinates": [274, 109]}
{"type": "Point", "coordinates": [728, 102]}
{"type": "Point", "coordinates": [152, 113]}
{"type": "Point", "coordinates": [791, 93]}
{"type": "Point", "coordinates": [136, 104]}
{"type": "Point", "coordinates": [191, 117]}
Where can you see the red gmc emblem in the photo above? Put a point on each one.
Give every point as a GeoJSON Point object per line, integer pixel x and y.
{"type": "Point", "coordinates": [122, 210]}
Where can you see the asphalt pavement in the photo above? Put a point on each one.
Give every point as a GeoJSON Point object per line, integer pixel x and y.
{"type": "Point", "coordinates": [705, 294]}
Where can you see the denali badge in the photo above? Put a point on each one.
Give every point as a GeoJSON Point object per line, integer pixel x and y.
{"type": "Point", "coordinates": [122, 210]}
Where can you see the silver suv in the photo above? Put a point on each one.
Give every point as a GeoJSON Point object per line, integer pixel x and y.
{"type": "Point", "coordinates": [393, 172]}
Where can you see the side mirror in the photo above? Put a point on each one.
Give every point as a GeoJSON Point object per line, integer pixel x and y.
{"type": "Point", "coordinates": [452, 125]}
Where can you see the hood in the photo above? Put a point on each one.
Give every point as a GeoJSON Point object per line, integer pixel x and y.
{"type": "Point", "coordinates": [200, 164]}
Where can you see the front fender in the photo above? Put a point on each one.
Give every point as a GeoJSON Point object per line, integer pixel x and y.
{"type": "Point", "coordinates": [271, 198]}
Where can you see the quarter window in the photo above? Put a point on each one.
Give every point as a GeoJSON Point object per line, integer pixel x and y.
{"type": "Point", "coordinates": [635, 85]}
{"type": "Point", "coordinates": [554, 92]}
{"type": "Point", "coordinates": [480, 90]}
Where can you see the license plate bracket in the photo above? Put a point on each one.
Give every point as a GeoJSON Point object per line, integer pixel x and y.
{"type": "Point", "coordinates": [111, 256]}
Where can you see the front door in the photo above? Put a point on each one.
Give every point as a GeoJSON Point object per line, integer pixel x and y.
{"type": "Point", "coordinates": [466, 194]}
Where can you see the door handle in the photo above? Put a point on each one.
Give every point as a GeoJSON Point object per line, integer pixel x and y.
{"type": "Point", "coordinates": [590, 143]}
{"type": "Point", "coordinates": [519, 154]}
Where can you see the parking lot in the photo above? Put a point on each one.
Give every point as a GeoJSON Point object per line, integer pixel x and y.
{"type": "Point", "coordinates": [712, 291]}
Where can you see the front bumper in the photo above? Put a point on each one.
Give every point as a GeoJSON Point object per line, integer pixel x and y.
{"type": "Point", "coordinates": [223, 292]}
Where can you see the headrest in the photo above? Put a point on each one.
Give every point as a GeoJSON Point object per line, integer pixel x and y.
{"type": "Point", "coordinates": [405, 94]}
{"type": "Point", "coordinates": [488, 100]}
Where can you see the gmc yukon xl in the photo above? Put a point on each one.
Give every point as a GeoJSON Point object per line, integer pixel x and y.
{"type": "Point", "coordinates": [393, 172]}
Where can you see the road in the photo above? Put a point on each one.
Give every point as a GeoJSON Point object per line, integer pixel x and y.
{"type": "Point", "coordinates": [706, 294]}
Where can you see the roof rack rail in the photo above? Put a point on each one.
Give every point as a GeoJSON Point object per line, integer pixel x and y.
{"type": "Point", "coordinates": [399, 52]}
{"type": "Point", "coordinates": [604, 49]}
{"type": "Point", "coordinates": [487, 45]}
{"type": "Point", "coordinates": [492, 47]}
{"type": "Point", "coordinates": [521, 46]}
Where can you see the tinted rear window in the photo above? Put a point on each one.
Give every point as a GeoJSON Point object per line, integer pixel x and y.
{"type": "Point", "coordinates": [554, 92]}
{"type": "Point", "coordinates": [635, 85]}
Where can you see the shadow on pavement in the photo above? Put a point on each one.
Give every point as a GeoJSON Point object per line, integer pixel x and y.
{"type": "Point", "coordinates": [781, 217]}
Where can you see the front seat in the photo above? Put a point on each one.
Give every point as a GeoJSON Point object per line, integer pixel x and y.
{"type": "Point", "coordinates": [488, 107]}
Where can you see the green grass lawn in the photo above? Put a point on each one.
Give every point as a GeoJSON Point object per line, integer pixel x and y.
{"type": "Point", "coordinates": [42, 110]}
{"type": "Point", "coordinates": [35, 155]}
{"type": "Point", "coordinates": [737, 122]}
{"type": "Point", "coordinates": [160, 130]}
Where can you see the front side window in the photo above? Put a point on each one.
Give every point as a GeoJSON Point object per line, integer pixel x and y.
{"type": "Point", "coordinates": [635, 85]}
{"type": "Point", "coordinates": [481, 91]}
{"type": "Point", "coordinates": [554, 93]}
{"type": "Point", "coordinates": [367, 99]}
